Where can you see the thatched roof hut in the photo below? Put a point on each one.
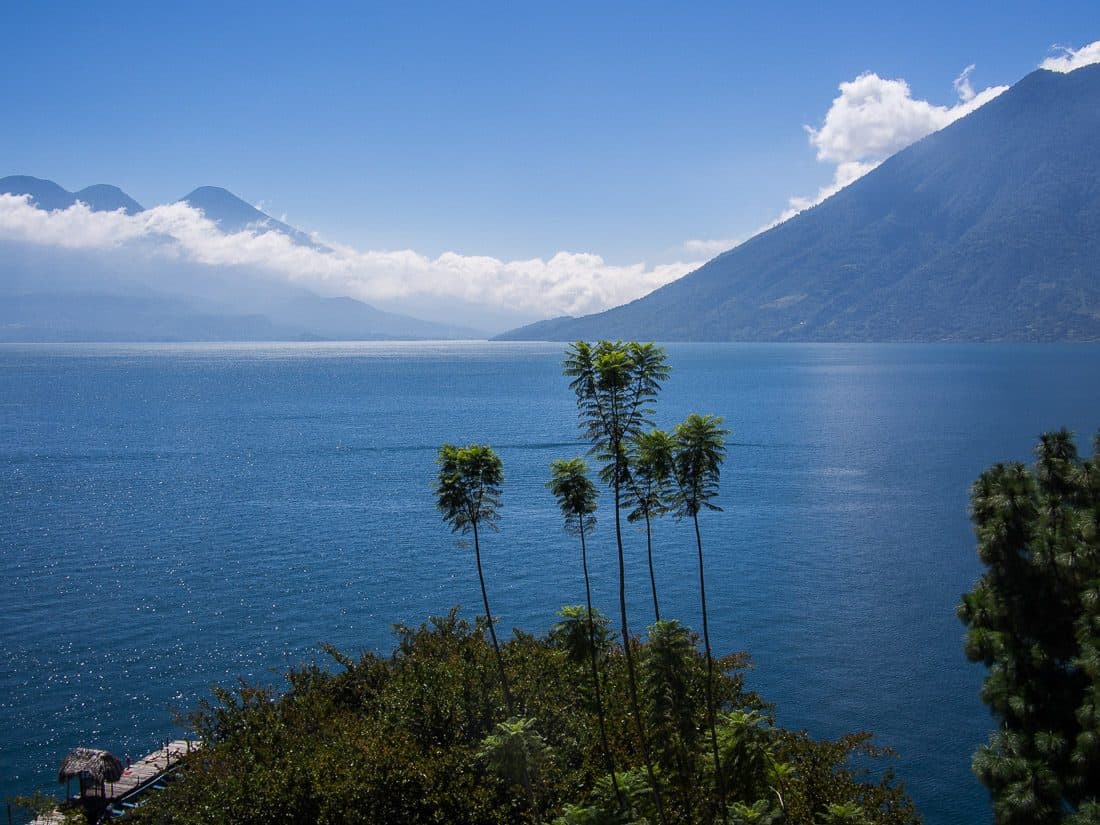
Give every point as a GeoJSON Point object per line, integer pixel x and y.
{"type": "Point", "coordinates": [102, 766]}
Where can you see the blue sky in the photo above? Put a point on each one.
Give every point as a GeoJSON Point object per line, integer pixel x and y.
{"type": "Point", "coordinates": [511, 130]}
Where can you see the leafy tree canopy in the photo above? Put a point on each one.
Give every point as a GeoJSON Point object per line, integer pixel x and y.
{"type": "Point", "coordinates": [469, 486]}
{"type": "Point", "coordinates": [1034, 620]}
{"type": "Point", "coordinates": [575, 492]}
{"type": "Point", "coordinates": [699, 446]}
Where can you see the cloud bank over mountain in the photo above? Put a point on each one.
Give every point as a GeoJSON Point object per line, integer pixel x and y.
{"type": "Point", "coordinates": [566, 283]}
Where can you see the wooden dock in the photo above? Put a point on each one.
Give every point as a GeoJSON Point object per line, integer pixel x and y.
{"type": "Point", "coordinates": [149, 768]}
{"type": "Point", "coordinates": [140, 777]}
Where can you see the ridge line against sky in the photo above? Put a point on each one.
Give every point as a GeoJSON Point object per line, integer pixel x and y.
{"type": "Point", "coordinates": [871, 118]}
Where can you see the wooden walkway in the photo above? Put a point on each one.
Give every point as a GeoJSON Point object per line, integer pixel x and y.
{"type": "Point", "coordinates": [141, 776]}
{"type": "Point", "coordinates": [150, 767]}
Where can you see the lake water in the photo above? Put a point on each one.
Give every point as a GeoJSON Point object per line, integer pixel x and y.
{"type": "Point", "coordinates": [180, 515]}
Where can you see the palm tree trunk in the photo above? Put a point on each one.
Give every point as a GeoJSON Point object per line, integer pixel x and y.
{"type": "Point", "coordinates": [718, 784]}
{"type": "Point", "coordinates": [596, 673]}
{"type": "Point", "coordinates": [652, 578]}
{"type": "Point", "coordinates": [631, 677]}
{"type": "Point", "coordinates": [489, 619]}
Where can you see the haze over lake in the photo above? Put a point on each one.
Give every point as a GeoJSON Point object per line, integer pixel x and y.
{"type": "Point", "coordinates": [180, 515]}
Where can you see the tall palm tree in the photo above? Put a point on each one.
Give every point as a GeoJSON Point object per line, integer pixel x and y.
{"type": "Point", "coordinates": [650, 456]}
{"type": "Point", "coordinates": [700, 447]}
{"type": "Point", "coordinates": [576, 495]}
{"type": "Point", "coordinates": [469, 496]}
{"type": "Point", "coordinates": [616, 385]}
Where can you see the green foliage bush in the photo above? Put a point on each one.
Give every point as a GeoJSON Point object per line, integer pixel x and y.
{"type": "Point", "coordinates": [422, 736]}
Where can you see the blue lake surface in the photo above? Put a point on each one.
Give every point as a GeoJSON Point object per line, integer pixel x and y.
{"type": "Point", "coordinates": [180, 515]}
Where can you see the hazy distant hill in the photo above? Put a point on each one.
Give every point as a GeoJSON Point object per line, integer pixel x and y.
{"type": "Point", "coordinates": [102, 316]}
{"type": "Point", "coordinates": [49, 317]}
{"type": "Point", "coordinates": [987, 230]}
{"type": "Point", "coordinates": [53, 294]}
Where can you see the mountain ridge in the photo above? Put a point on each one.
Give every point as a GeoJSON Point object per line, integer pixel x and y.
{"type": "Point", "coordinates": [233, 214]}
{"type": "Point", "coordinates": [983, 231]}
{"type": "Point", "coordinates": [49, 195]}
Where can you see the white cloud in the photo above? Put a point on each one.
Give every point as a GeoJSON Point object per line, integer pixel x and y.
{"type": "Point", "coordinates": [874, 118]}
{"type": "Point", "coordinates": [709, 248]}
{"type": "Point", "coordinates": [1071, 59]}
{"type": "Point", "coordinates": [74, 228]}
{"type": "Point", "coordinates": [567, 283]}
{"type": "Point", "coordinates": [962, 85]}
